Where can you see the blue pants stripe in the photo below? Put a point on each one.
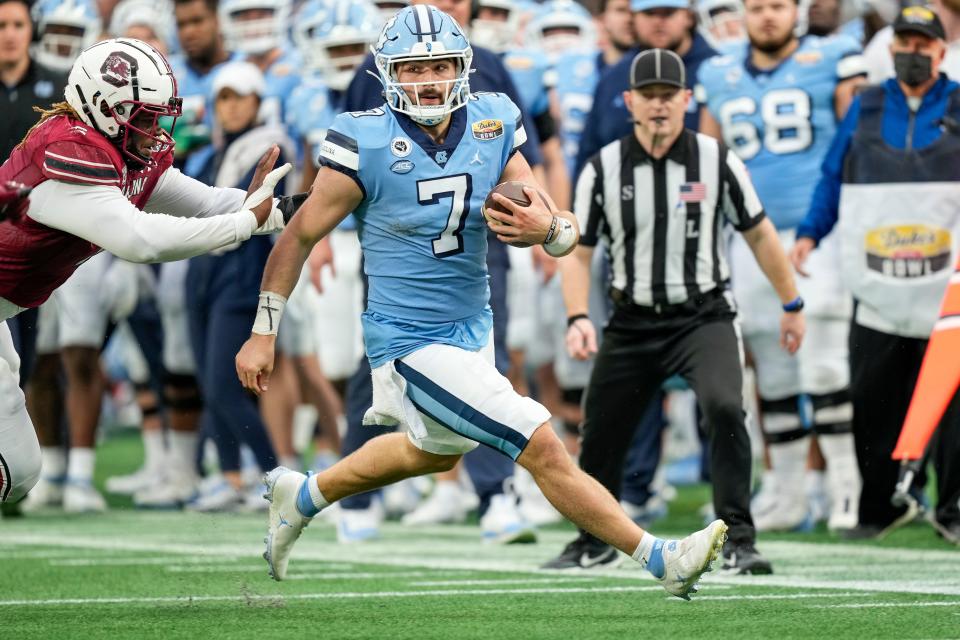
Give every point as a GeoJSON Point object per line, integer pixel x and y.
{"type": "Point", "coordinates": [453, 413]}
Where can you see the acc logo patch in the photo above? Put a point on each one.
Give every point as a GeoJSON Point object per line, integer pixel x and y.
{"type": "Point", "coordinates": [487, 129]}
{"type": "Point", "coordinates": [400, 147]}
{"type": "Point", "coordinates": [908, 250]}
{"type": "Point", "coordinates": [117, 68]}
{"type": "Point", "coordinates": [402, 166]}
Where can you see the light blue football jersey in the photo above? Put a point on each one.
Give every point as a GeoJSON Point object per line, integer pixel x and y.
{"type": "Point", "coordinates": [781, 121]}
{"type": "Point", "coordinates": [281, 78]}
{"type": "Point", "coordinates": [195, 125]}
{"type": "Point", "coordinates": [533, 77]}
{"type": "Point", "coordinates": [577, 74]}
{"type": "Point", "coordinates": [424, 239]}
{"type": "Point", "coordinates": [311, 109]}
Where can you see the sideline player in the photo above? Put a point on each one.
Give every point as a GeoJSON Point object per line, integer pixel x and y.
{"type": "Point", "coordinates": [776, 101]}
{"type": "Point", "coordinates": [96, 163]}
{"type": "Point", "coordinates": [415, 172]}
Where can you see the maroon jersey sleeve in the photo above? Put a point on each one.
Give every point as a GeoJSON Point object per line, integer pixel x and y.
{"type": "Point", "coordinates": [76, 162]}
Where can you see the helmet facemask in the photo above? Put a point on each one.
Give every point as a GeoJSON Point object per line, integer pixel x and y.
{"type": "Point", "coordinates": [140, 122]}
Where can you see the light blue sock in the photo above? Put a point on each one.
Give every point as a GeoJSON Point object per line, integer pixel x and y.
{"type": "Point", "coordinates": [305, 502]}
{"type": "Point", "coordinates": [655, 564]}
{"type": "Point", "coordinates": [649, 554]}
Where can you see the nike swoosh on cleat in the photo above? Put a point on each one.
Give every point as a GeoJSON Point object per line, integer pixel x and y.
{"type": "Point", "coordinates": [586, 561]}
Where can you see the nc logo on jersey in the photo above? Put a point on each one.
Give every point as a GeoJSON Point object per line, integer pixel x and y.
{"type": "Point", "coordinates": [402, 167]}
{"type": "Point", "coordinates": [401, 147]}
{"type": "Point", "coordinates": [117, 68]}
{"type": "Point", "coordinates": [908, 250]}
{"type": "Point", "coordinates": [441, 157]}
{"type": "Point", "coordinates": [487, 129]}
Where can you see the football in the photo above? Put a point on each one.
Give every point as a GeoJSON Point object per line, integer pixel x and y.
{"type": "Point", "coordinates": [513, 190]}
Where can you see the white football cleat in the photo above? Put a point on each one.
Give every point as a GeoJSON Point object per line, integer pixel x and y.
{"type": "Point", "coordinates": [792, 514]}
{"type": "Point", "coordinates": [129, 484]}
{"type": "Point", "coordinates": [503, 524]}
{"type": "Point", "coordinates": [360, 525]}
{"type": "Point", "coordinates": [684, 561]}
{"type": "Point", "coordinates": [285, 522]}
{"type": "Point", "coordinates": [445, 505]}
{"type": "Point", "coordinates": [47, 493]}
{"type": "Point", "coordinates": [82, 497]}
{"type": "Point", "coordinates": [167, 494]}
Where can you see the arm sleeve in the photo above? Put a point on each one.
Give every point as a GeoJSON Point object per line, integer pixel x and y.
{"type": "Point", "coordinates": [588, 202]}
{"type": "Point", "coordinates": [182, 196]}
{"type": "Point", "coordinates": [103, 216]}
{"type": "Point", "coordinates": [340, 151]}
{"type": "Point", "coordinates": [738, 198]}
{"type": "Point", "coordinates": [825, 204]}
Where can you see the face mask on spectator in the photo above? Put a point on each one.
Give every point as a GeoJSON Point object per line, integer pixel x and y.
{"type": "Point", "coordinates": [913, 69]}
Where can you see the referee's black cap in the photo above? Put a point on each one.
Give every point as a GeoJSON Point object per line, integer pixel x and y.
{"type": "Point", "coordinates": [657, 66]}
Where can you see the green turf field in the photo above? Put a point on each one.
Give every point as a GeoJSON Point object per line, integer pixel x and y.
{"type": "Point", "coordinates": [130, 574]}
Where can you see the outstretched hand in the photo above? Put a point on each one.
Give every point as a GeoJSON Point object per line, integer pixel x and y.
{"type": "Point", "coordinates": [265, 178]}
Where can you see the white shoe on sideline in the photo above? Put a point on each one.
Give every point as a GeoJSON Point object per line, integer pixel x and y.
{"type": "Point", "coordinates": [167, 494]}
{"type": "Point", "coordinates": [401, 498]}
{"type": "Point", "coordinates": [219, 497]}
{"type": "Point", "coordinates": [285, 522]}
{"type": "Point", "coordinates": [444, 506]}
{"type": "Point", "coordinates": [360, 525]}
{"type": "Point", "coordinates": [503, 524]}
{"type": "Point", "coordinates": [534, 506]}
{"type": "Point", "coordinates": [46, 494]}
{"type": "Point", "coordinates": [684, 561]}
{"type": "Point", "coordinates": [81, 497]}
{"type": "Point", "coordinates": [129, 484]}
{"type": "Point", "coordinates": [791, 514]}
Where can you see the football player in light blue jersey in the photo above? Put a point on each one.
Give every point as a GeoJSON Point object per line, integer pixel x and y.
{"type": "Point", "coordinates": [416, 172]}
{"type": "Point", "coordinates": [776, 103]}
{"type": "Point", "coordinates": [257, 30]}
{"type": "Point", "coordinates": [201, 55]}
{"type": "Point", "coordinates": [333, 37]}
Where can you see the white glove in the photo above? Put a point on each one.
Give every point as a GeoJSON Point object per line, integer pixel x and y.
{"type": "Point", "coordinates": [266, 189]}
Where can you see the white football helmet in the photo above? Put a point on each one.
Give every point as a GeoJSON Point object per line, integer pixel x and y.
{"type": "Point", "coordinates": [155, 14]}
{"type": "Point", "coordinates": [423, 32]}
{"type": "Point", "coordinates": [560, 26]}
{"type": "Point", "coordinates": [325, 28]}
{"type": "Point", "coordinates": [721, 21]}
{"type": "Point", "coordinates": [247, 32]}
{"type": "Point", "coordinates": [496, 35]}
{"type": "Point", "coordinates": [121, 86]}
{"type": "Point", "coordinates": [64, 29]}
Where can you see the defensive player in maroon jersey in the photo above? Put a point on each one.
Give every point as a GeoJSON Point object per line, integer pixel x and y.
{"type": "Point", "coordinates": [95, 166]}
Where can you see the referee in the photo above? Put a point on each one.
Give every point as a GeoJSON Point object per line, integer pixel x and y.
{"type": "Point", "coordinates": [658, 198]}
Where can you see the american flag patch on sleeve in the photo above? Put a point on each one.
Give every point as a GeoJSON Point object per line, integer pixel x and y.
{"type": "Point", "coordinates": [693, 192]}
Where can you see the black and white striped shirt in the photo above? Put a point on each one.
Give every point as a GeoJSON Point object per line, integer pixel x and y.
{"type": "Point", "coordinates": [661, 219]}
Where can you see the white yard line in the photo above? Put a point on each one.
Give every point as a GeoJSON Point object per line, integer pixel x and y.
{"type": "Point", "coordinates": [883, 605]}
{"type": "Point", "coordinates": [317, 596]}
{"type": "Point", "coordinates": [492, 582]}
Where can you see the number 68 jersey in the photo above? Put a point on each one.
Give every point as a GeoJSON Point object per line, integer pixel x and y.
{"type": "Point", "coordinates": [780, 121]}
{"type": "Point", "coordinates": [424, 239]}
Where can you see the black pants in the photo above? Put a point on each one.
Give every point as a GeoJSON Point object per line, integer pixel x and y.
{"type": "Point", "coordinates": [883, 372]}
{"type": "Point", "coordinates": [640, 350]}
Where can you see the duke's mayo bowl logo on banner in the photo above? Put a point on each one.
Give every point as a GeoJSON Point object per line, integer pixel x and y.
{"type": "Point", "coordinates": [908, 250]}
{"type": "Point", "coordinates": [487, 129]}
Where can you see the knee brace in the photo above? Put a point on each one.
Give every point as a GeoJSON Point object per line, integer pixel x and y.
{"type": "Point", "coordinates": [782, 421]}
{"type": "Point", "coordinates": [181, 392]}
{"type": "Point", "coordinates": [832, 412]}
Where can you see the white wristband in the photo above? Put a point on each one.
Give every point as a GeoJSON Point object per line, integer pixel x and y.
{"type": "Point", "coordinates": [269, 310]}
{"type": "Point", "coordinates": [563, 239]}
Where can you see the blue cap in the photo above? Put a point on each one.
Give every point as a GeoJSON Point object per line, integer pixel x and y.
{"type": "Point", "coordinates": [647, 5]}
